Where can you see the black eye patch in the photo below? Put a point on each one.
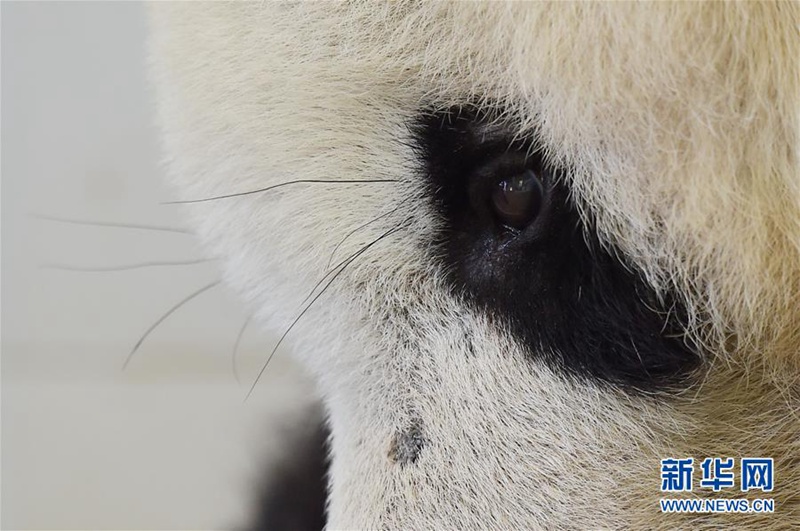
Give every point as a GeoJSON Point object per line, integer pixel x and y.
{"type": "Point", "coordinates": [512, 243]}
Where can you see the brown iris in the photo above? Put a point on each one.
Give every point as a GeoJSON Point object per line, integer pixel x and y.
{"type": "Point", "coordinates": [516, 201]}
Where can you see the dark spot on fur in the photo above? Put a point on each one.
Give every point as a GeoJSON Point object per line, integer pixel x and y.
{"type": "Point", "coordinates": [550, 282]}
{"type": "Point", "coordinates": [407, 444]}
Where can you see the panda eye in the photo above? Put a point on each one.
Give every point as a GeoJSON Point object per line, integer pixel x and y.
{"type": "Point", "coordinates": [516, 201]}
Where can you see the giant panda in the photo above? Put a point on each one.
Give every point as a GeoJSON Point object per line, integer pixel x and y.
{"type": "Point", "coordinates": [533, 254]}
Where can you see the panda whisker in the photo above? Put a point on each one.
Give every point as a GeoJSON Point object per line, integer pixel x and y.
{"type": "Point", "coordinates": [166, 314]}
{"type": "Point", "coordinates": [276, 186]}
{"type": "Point", "coordinates": [327, 275]}
{"type": "Point", "coordinates": [235, 351]}
{"type": "Point", "coordinates": [333, 270]}
{"type": "Point", "coordinates": [126, 267]}
{"type": "Point", "coordinates": [113, 224]}
{"type": "Point", "coordinates": [341, 269]}
{"type": "Point", "coordinates": [364, 225]}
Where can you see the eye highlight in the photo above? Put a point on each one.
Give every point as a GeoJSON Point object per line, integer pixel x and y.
{"type": "Point", "coordinates": [517, 201]}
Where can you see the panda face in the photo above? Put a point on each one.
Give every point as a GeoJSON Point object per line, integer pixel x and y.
{"type": "Point", "coordinates": [536, 248]}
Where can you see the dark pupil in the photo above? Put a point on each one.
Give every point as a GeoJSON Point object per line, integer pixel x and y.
{"type": "Point", "coordinates": [516, 201]}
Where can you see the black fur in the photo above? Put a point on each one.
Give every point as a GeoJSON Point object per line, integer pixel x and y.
{"type": "Point", "coordinates": [552, 284]}
{"type": "Point", "coordinates": [294, 497]}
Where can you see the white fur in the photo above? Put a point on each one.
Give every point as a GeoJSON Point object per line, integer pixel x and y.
{"type": "Point", "coordinates": [680, 124]}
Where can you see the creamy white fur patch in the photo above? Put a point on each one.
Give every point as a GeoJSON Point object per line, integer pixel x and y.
{"type": "Point", "coordinates": [679, 123]}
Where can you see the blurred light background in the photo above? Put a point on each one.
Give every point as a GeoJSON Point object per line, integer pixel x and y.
{"type": "Point", "coordinates": [167, 443]}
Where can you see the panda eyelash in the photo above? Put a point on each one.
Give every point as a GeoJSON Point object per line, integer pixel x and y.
{"type": "Point", "coordinates": [275, 186]}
